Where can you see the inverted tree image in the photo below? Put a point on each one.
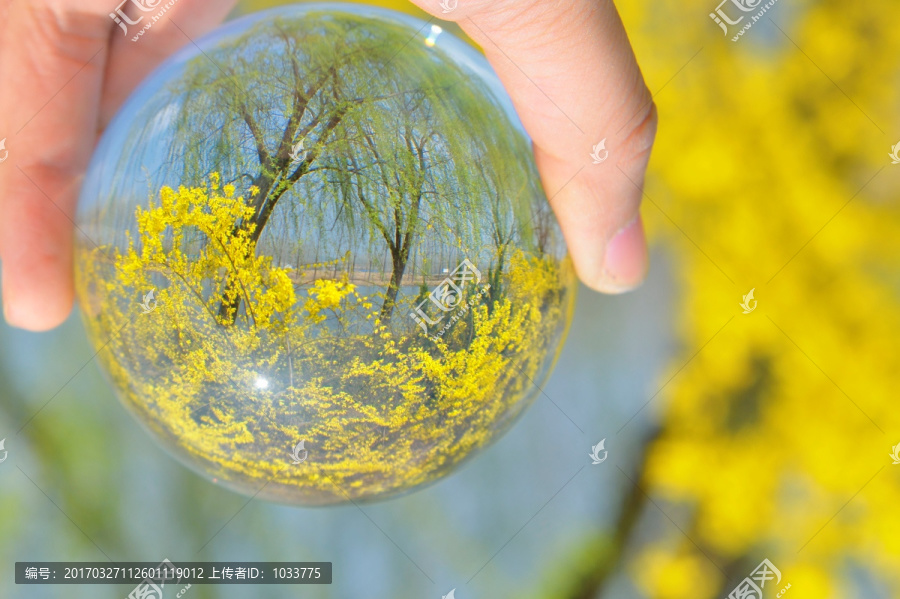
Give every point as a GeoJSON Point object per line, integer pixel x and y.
{"type": "Point", "coordinates": [349, 247]}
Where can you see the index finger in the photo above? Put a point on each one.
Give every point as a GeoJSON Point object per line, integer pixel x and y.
{"type": "Point", "coordinates": [575, 83]}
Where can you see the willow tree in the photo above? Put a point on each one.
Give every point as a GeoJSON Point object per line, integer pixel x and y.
{"type": "Point", "coordinates": [348, 142]}
{"type": "Point", "coordinates": [355, 126]}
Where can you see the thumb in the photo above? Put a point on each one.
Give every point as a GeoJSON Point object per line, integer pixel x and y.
{"type": "Point", "coordinates": [574, 81]}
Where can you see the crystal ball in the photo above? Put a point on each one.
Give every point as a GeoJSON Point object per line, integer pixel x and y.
{"type": "Point", "coordinates": [315, 257]}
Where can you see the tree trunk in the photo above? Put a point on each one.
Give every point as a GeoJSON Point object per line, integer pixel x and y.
{"type": "Point", "coordinates": [398, 262]}
{"type": "Point", "coordinates": [264, 205]}
{"type": "Point", "coordinates": [228, 309]}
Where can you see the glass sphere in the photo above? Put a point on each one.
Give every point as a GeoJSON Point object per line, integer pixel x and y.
{"type": "Point", "coordinates": [316, 259]}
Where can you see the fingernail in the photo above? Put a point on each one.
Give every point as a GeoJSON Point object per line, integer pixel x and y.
{"type": "Point", "coordinates": [625, 261]}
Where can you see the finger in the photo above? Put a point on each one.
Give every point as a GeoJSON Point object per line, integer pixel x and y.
{"type": "Point", "coordinates": [51, 69]}
{"type": "Point", "coordinates": [159, 32]}
{"type": "Point", "coordinates": [574, 81]}
{"type": "Point", "coordinates": [56, 57]}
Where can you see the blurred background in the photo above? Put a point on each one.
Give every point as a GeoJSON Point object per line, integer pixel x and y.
{"type": "Point", "coordinates": [732, 437]}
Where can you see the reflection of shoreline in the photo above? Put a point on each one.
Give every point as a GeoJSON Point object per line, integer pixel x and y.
{"type": "Point", "coordinates": [308, 277]}
{"type": "Point", "coordinates": [417, 409]}
{"type": "Point", "coordinates": [366, 279]}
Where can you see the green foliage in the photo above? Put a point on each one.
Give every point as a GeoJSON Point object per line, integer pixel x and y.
{"type": "Point", "coordinates": [380, 412]}
{"type": "Point", "coordinates": [360, 168]}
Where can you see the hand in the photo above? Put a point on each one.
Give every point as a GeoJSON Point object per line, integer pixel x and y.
{"type": "Point", "coordinates": [574, 81]}
{"type": "Point", "coordinates": [66, 67]}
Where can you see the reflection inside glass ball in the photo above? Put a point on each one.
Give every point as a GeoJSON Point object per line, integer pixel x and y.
{"type": "Point", "coordinates": [317, 256]}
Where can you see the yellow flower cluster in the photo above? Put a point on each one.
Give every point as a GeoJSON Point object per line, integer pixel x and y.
{"type": "Point", "coordinates": [776, 436]}
{"type": "Point", "coordinates": [326, 294]}
{"type": "Point", "coordinates": [380, 406]}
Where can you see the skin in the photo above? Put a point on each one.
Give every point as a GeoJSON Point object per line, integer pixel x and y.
{"type": "Point", "coordinates": [66, 67]}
